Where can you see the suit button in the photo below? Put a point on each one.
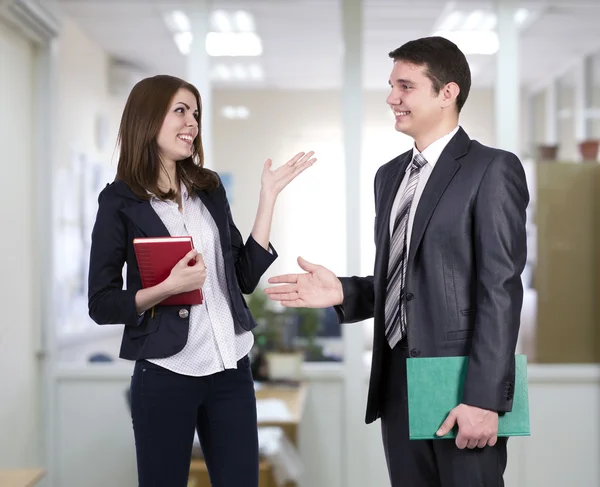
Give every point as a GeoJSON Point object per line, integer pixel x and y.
{"type": "Point", "coordinates": [184, 313]}
{"type": "Point", "coordinates": [415, 352]}
{"type": "Point", "coordinates": [409, 296]}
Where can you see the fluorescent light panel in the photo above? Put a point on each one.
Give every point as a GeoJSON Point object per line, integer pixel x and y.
{"type": "Point", "coordinates": [233, 44]}
{"type": "Point", "coordinates": [233, 33]}
{"type": "Point", "coordinates": [474, 32]}
{"type": "Point", "coordinates": [233, 113]}
{"type": "Point", "coordinates": [477, 20]}
{"type": "Point", "coordinates": [239, 21]}
{"type": "Point", "coordinates": [237, 72]}
{"type": "Point", "coordinates": [473, 41]}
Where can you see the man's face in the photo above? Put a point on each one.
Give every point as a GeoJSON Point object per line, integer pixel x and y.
{"type": "Point", "coordinates": [417, 108]}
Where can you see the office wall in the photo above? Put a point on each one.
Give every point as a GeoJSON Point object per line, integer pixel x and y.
{"type": "Point", "coordinates": [19, 326]}
{"type": "Point", "coordinates": [86, 109]}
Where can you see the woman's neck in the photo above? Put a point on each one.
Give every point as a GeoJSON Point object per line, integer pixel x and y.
{"type": "Point", "coordinates": [167, 179]}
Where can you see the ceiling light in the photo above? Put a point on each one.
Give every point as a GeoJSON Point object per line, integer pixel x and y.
{"type": "Point", "coordinates": [228, 112]}
{"type": "Point", "coordinates": [473, 20]}
{"type": "Point", "coordinates": [237, 72]}
{"type": "Point", "coordinates": [233, 113]}
{"type": "Point", "coordinates": [177, 21]}
{"type": "Point", "coordinates": [255, 71]}
{"type": "Point", "coordinates": [456, 20]}
{"type": "Point", "coordinates": [239, 21]}
{"type": "Point", "coordinates": [473, 41]}
{"type": "Point", "coordinates": [183, 40]}
{"type": "Point", "coordinates": [521, 16]}
{"type": "Point", "coordinates": [474, 32]}
{"type": "Point", "coordinates": [243, 112]}
{"type": "Point", "coordinates": [221, 72]}
{"type": "Point", "coordinates": [233, 44]}
{"type": "Point", "coordinates": [244, 21]}
{"type": "Point", "coordinates": [234, 34]}
{"type": "Point", "coordinates": [452, 21]}
{"type": "Point", "coordinates": [220, 21]}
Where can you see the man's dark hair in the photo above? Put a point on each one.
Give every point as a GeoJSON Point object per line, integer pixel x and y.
{"type": "Point", "coordinates": [444, 63]}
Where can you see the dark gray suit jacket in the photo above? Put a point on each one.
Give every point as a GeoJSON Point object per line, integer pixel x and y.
{"type": "Point", "coordinates": [463, 291]}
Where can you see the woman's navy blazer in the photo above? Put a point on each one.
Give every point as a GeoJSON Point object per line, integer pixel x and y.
{"type": "Point", "coordinates": [123, 216]}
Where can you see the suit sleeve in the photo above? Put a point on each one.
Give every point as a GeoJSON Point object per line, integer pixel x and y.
{"type": "Point", "coordinates": [108, 302]}
{"type": "Point", "coordinates": [251, 259]}
{"type": "Point", "coordinates": [359, 299]}
{"type": "Point", "coordinates": [500, 255]}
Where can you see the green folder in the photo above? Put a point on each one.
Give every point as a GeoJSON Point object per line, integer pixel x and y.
{"type": "Point", "coordinates": [435, 387]}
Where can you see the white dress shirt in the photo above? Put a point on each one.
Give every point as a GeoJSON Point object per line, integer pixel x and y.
{"type": "Point", "coordinates": [431, 154]}
{"type": "Point", "coordinates": [214, 342]}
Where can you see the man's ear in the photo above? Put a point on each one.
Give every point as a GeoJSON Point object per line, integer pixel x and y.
{"type": "Point", "coordinates": [449, 94]}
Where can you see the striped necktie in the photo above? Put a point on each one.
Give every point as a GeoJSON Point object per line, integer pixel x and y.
{"type": "Point", "coordinates": [395, 312]}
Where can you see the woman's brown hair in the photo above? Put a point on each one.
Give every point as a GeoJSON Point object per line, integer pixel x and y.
{"type": "Point", "coordinates": [139, 158]}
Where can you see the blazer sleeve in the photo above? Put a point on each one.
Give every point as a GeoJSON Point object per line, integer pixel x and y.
{"type": "Point", "coordinates": [108, 302]}
{"type": "Point", "coordinates": [500, 244]}
{"type": "Point", "coordinates": [250, 258]}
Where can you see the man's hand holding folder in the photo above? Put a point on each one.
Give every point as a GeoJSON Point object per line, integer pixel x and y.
{"type": "Point", "coordinates": [476, 427]}
{"type": "Point", "coordinates": [436, 411]}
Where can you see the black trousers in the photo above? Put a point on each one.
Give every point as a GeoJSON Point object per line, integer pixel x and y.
{"type": "Point", "coordinates": [429, 463]}
{"type": "Point", "coordinates": [167, 407]}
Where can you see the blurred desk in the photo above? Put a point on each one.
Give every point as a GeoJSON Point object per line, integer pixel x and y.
{"type": "Point", "coordinates": [294, 398]}
{"type": "Point", "coordinates": [20, 478]}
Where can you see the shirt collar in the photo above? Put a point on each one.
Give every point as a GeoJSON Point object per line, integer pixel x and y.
{"type": "Point", "coordinates": [433, 152]}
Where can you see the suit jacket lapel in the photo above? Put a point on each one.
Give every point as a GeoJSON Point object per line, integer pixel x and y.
{"type": "Point", "coordinates": [442, 174]}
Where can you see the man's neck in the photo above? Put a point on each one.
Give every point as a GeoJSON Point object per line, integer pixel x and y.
{"type": "Point", "coordinates": [425, 140]}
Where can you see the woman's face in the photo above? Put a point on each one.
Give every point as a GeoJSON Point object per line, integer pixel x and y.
{"type": "Point", "coordinates": [179, 128]}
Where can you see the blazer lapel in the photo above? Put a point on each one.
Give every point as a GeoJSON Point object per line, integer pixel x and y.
{"type": "Point", "coordinates": [442, 174]}
{"type": "Point", "coordinates": [142, 214]}
{"type": "Point", "coordinates": [215, 210]}
{"type": "Point", "coordinates": [145, 218]}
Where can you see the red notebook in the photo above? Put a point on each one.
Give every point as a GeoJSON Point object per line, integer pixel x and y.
{"type": "Point", "coordinates": [156, 257]}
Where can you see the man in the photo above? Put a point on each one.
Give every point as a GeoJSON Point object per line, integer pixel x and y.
{"type": "Point", "coordinates": [450, 248]}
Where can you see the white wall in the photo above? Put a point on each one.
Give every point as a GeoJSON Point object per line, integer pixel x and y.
{"type": "Point", "coordinates": [83, 97]}
{"type": "Point", "coordinates": [20, 324]}
{"type": "Point", "coordinates": [280, 125]}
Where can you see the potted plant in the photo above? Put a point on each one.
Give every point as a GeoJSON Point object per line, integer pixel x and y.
{"type": "Point", "coordinates": [589, 149]}
{"type": "Point", "coordinates": [309, 322]}
{"type": "Point", "coordinates": [273, 339]}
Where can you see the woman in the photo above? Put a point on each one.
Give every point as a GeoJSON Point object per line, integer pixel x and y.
{"type": "Point", "coordinates": [192, 369]}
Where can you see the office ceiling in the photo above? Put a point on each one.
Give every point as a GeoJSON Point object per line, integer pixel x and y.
{"type": "Point", "coordinates": [302, 39]}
